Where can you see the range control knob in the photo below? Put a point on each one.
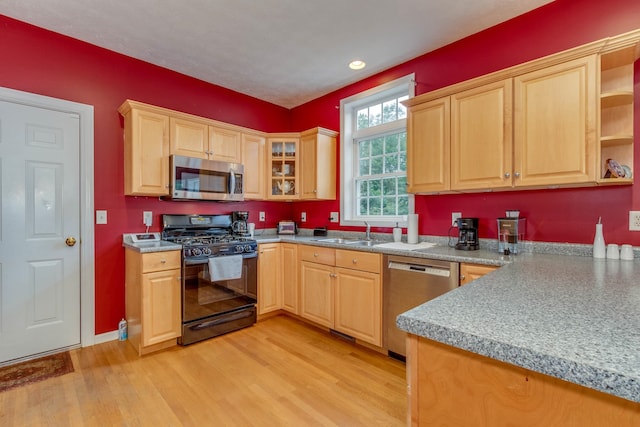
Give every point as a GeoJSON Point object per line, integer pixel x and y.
{"type": "Point", "coordinates": [247, 248]}
{"type": "Point", "coordinates": [196, 252]}
{"type": "Point", "coordinates": [239, 249]}
{"type": "Point", "coordinates": [206, 251]}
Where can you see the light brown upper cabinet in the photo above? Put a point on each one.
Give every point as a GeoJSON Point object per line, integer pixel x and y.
{"type": "Point", "coordinates": [428, 146]}
{"type": "Point", "coordinates": [146, 151]}
{"type": "Point", "coordinates": [278, 166]}
{"type": "Point", "coordinates": [193, 138]}
{"type": "Point", "coordinates": [481, 137]}
{"type": "Point", "coordinates": [253, 159]}
{"type": "Point", "coordinates": [555, 125]}
{"type": "Point", "coordinates": [547, 123]}
{"type": "Point", "coordinates": [318, 155]}
{"type": "Point", "coordinates": [283, 154]}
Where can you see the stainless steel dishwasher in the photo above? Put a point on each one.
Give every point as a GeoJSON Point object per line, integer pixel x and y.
{"type": "Point", "coordinates": [409, 282]}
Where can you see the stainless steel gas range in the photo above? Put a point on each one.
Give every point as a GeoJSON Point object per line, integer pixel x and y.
{"type": "Point", "coordinates": [219, 275]}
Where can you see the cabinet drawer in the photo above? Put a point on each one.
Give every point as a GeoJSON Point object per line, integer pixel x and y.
{"type": "Point", "coordinates": [157, 261]}
{"type": "Point", "coordinates": [318, 254]}
{"type": "Point", "coordinates": [357, 260]}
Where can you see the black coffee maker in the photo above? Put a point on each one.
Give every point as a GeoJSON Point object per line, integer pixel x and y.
{"type": "Point", "coordinates": [468, 234]}
{"type": "Point", "coordinates": [239, 223]}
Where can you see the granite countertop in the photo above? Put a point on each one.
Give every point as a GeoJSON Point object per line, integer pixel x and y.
{"type": "Point", "coordinates": [571, 317]}
{"type": "Point", "coordinates": [147, 247]}
{"type": "Point", "coordinates": [557, 311]}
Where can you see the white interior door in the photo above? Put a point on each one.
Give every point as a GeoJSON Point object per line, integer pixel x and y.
{"type": "Point", "coordinates": [39, 217]}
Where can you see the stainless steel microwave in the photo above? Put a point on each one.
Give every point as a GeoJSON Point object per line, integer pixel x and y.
{"type": "Point", "coordinates": [199, 179]}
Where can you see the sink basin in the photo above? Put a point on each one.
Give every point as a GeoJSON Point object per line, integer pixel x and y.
{"type": "Point", "coordinates": [336, 240]}
{"type": "Point", "coordinates": [363, 243]}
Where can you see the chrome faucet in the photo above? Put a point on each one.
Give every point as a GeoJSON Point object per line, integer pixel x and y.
{"type": "Point", "coordinates": [368, 232]}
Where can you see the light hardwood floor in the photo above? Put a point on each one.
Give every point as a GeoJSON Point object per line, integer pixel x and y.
{"type": "Point", "coordinates": [280, 372]}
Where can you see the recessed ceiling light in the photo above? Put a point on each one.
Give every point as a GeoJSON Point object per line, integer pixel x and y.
{"type": "Point", "coordinates": [357, 64]}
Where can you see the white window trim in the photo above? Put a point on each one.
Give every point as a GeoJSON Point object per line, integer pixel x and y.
{"type": "Point", "coordinates": [347, 106]}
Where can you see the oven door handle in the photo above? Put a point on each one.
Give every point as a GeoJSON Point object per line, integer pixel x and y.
{"type": "Point", "coordinates": [206, 260]}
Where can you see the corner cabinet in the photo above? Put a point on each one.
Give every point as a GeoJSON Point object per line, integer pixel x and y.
{"type": "Point", "coordinates": [551, 122]}
{"type": "Point", "coordinates": [283, 164]}
{"type": "Point", "coordinates": [146, 150]}
{"type": "Point", "coordinates": [471, 272]}
{"type": "Point", "coordinates": [153, 299]}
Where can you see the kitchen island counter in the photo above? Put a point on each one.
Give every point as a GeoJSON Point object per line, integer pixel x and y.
{"type": "Point", "coordinates": [569, 317]}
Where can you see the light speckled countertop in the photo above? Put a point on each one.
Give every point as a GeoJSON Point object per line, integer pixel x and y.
{"type": "Point", "coordinates": [557, 311]}
{"type": "Point", "coordinates": [571, 317]}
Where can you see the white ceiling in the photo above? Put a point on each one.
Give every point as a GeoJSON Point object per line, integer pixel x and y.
{"type": "Point", "coordinates": [286, 52]}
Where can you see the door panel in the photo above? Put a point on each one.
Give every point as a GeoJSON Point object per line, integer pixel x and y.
{"type": "Point", "coordinates": [40, 274]}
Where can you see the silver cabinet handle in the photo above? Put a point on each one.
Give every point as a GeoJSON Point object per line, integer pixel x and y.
{"type": "Point", "coordinates": [517, 174]}
{"type": "Point", "coordinates": [163, 261]}
{"type": "Point", "coordinates": [507, 175]}
{"type": "Point", "coordinates": [354, 261]}
{"type": "Point", "coordinates": [315, 254]}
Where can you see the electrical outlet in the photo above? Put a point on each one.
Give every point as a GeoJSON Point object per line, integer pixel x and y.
{"type": "Point", "coordinates": [147, 218]}
{"type": "Point", "coordinates": [454, 218]}
{"type": "Point", "coordinates": [634, 220]}
{"type": "Point", "coordinates": [303, 217]}
{"type": "Point", "coordinates": [333, 216]}
{"type": "Point", "coordinates": [263, 216]}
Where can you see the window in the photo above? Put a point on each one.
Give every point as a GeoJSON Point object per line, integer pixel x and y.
{"type": "Point", "coordinates": [374, 155]}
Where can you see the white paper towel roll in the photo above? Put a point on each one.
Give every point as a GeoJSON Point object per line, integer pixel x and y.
{"type": "Point", "coordinates": [412, 228]}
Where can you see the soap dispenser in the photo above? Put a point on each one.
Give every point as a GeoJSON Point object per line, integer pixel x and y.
{"type": "Point", "coordinates": [599, 250]}
{"type": "Point", "coordinates": [397, 233]}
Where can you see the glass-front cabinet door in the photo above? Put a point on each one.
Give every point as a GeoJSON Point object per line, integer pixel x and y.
{"type": "Point", "coordinates": [283, 167]}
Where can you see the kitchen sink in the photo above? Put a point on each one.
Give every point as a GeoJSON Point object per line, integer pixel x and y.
{"type": "Point", "coordinates": [364, 243]}
{"type": "Point", "coordinates": [336, 240]}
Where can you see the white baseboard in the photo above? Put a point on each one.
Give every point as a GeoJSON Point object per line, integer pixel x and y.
{"type": "Point", "coordinates": [106, 337]}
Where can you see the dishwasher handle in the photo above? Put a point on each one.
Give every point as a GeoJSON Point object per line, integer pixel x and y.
{"type": "Point", "coordinates": [421, 269]}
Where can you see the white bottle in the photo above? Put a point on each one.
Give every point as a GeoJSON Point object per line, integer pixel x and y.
{"type": "Point", "coordinates": [122, 330]}
{"type": "Point", "coordinates": [397, 233]}
{"type": "Point", "coordinates": [599, 247]}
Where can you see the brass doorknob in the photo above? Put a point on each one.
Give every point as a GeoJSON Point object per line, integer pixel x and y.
{"type": "Point", "coordinates": [70, 241]}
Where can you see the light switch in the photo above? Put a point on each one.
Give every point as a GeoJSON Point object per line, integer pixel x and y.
{"type": "Point", "coordinates": [101, 217]}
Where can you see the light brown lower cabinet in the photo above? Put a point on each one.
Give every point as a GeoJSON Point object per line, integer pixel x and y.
{"type": "Point", "coordinates": [470, 272]}
{"type": "Point", "coordinates": [342, 290]}
{"type": "Point", "coordinates": [269, 277]}
{"type": "Point", "coordinates": [153, 299]}
{"type": "Point", "coordinates": [451, 386]}
{"type": "Point", "coordinates": [290, 275]}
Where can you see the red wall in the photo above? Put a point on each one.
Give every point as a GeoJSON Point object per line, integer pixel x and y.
{"type": "Point", "coordinates": [563, 215]}
{"type": "Point", "coordinates": [42, 62]}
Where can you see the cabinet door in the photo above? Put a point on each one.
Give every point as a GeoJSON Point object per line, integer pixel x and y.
{"type": "Point", "coordinates": [555, 125]}
{"type": "Point", "coordinates": [253, 159]}
{"type": "Point", "coordinates": [283, 168]}
{"type": "Point", "coordinates": [358, 301]}
{"type": "Point", "coordinates": [290, 277]}
{"type": "Point", "coordinates": [428, 146]}
{"type": "Point", "coordinates": [269, 278]}
{"type": "Point", "coordinates": [471, 272]}
{"type": "Point", "coordinates": [189, 138]}
{"type": "Point", "coordinates": [146, 154]}
{"type": "Point", "coordinates": [225, 145]}
{"type": "Point", "coordinates": [316, 293]}
{"type": "Point", "coordinates": [318, 165]}
{"type": "Point", "coordinates": [161, 306]}
{"type": "Point", "coordinates": [481, 137]}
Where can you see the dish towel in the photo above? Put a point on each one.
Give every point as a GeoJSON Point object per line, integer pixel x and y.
{"type": "Point", "coordinates": [225, 267]}
{"type": "Point", "coordinates": [406, 246]}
